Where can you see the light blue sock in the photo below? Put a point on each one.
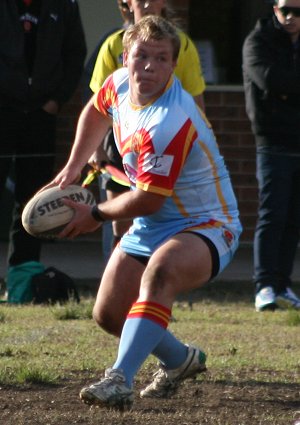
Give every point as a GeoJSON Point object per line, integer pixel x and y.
{"type": "Point", "coordinates": [170, 351]}
{"type": "Point", "coordinates": [144, 328]}
{"type": "Point", "coordinates": [138, 339]}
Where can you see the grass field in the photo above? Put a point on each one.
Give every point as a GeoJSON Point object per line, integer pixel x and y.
{"type": "Point", "coordinates": [48, 353]}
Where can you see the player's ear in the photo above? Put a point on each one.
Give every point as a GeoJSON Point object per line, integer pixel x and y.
{"type": "Point", "coordinates": [129, 5]}
{"type": "Point", "coordinates": [125, 58]}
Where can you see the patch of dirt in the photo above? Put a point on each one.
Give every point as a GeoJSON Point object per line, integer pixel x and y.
{"type": "Point", "coordinates": [201, 401]}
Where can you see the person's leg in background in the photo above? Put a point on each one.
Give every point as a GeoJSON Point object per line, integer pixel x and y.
{"type": "Point", "coordinates": [5, 166]}
{"type": "Point", "coordinates": [286, 297]}
{"type": "Point", "coordinates": [290, 236]}
{"type": "Point", "coordinates": [9, 124]}
{"type": "Point", "coordinates": [274, 177]}
{"type": "Point", "coordinates": [34, 166]}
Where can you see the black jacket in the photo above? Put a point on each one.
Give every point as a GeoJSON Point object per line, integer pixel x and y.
{"type": "Point", "coordinates": [271, 68]}
{"type": "Point", "coordinates": [60, 54]}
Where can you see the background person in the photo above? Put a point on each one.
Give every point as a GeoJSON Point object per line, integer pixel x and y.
{"type": "Point", "coordinates": [110, 58]}
{"type": "Point", "coordinates": [186, 225]}
{"type": "Point", "coordinates": [42, 53]}
{"type": "Point", "coordinates": [271, 65]}
{"type": "Point", "coordinates": [127, 16]}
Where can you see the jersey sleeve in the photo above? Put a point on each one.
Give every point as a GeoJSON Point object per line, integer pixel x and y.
{"type": "Point", "coordinates": [188, 69]}
{"type": "Point", "coordinates": [106, 97]}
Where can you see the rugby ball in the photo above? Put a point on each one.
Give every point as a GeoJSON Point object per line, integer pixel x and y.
{"type": "Point", "coordinates": [45, 215]}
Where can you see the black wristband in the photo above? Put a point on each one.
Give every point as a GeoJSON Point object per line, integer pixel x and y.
{"type": "Point", "coordinates": [96, 214]}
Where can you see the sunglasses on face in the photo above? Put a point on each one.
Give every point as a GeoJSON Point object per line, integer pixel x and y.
{"type": "Point", "coordinates": [286, 10]}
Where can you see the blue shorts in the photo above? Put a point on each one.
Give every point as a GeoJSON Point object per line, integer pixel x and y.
{"type": "Point", "coordinates": [141, 241]}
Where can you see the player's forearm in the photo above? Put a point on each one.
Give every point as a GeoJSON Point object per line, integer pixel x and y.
{"type": "Point", "coordinates": [91, 129]}
{"type": "Point", "coordinates": [131, 204]}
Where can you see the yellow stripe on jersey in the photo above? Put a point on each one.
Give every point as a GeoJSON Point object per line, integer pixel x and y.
{"type": "Point", "coordinates": [217, 180]}
{"type": "Point", "coordinates": [190, 137]}
{"type": "Point", "coordinates": [154, 189]}
{"type": "Point", "coordinates": [179, 205]}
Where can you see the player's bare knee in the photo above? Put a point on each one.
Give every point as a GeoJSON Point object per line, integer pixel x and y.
{"type": "Point", "coordinates": [157, 278]}
{"type": "Point", "coordinates": [107, 322]}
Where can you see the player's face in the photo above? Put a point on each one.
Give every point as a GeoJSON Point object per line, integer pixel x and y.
{"type": "Point", "coordinates": [141, 8]}
{"type": "Point", "coordinates": [288, 14]}
{"type": "Point", "coordinates": [150, 65]}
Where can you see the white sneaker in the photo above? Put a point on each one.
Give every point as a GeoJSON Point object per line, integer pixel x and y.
{"type": "Point", "coordinates": [288, 299]}
{"type": "Point", "coordinates": [166, 381]}
{"type": "Point", "coordinates": [265, 299]}
{"type": "Point", "coordinates": [111, 391]}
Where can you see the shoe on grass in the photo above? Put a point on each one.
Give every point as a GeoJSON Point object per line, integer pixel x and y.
{"type": "Point", "coordinates": [111, 391]}
{"type": "Point", "coordinates": [265, 299]}
{"type": "Point", "coordinates": [166, 381]}
{"type": "Point", "coordinates": [288, 299]}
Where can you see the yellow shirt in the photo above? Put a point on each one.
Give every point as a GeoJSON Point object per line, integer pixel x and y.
{"type": "Point", "coordinates": [188, 68]}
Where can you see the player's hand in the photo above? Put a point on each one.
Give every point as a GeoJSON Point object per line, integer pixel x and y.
{"type": "Point", "coordinates": [64, 178]}
{"type": "Point", "coordinates": [94, 161]}
{"type": "Point", "coordinates": [97, 158]}
{"type": "Point", "coordinates": [68, 175]}
{"type": "Point", "coordinates": [82, 222]}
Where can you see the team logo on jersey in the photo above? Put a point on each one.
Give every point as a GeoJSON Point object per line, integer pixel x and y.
{"type": "Point", "coordinates": [136, 141]}
{"type": "Point", "coordinates": [228, 236]}
{"type": "Point", "coordinates": [158, 164]}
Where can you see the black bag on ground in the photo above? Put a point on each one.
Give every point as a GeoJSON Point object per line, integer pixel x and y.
{"type": "Point", "coordinates": [53, 286]}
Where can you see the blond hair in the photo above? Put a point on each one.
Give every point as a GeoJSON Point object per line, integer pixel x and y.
{"type": "Point", "coordinates": [152, 28]}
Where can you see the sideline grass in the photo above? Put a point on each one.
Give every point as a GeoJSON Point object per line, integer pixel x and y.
{"type": "Point", "coordinates": [47, 344]}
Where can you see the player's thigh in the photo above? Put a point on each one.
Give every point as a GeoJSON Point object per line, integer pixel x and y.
{"type": "Point", "coordinates": [119, 286]}
{"type": "Point", "coordinates": [183, 263]}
